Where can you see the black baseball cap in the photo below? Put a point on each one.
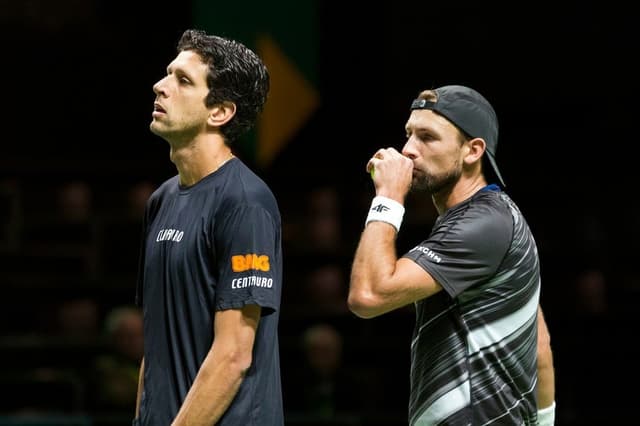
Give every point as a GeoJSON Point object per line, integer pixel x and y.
{"type": "Point", "coordinates": [469, 111]}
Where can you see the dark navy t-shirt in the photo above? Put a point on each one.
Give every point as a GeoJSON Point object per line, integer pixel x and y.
{"type": "Point", "coordinates": [213, 246]}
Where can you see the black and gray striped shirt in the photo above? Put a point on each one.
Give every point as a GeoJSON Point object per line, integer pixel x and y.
{"type": "Point", "coordinates": [473, 353]}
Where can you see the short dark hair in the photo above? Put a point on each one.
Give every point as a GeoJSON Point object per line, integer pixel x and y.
{"type": "Point", "coordinates": [236, 74]}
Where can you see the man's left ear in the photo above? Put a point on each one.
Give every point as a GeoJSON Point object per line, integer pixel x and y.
{"type": "Point", "coordinates": [221, 113]}
{"type": "Point", "coordinates": [476, 148]}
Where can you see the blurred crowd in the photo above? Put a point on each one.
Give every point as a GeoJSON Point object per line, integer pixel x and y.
{"type": "Point", "coordinates": [71, 337]}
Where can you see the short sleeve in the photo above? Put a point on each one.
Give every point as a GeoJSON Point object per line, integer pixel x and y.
{"type": "Point", "coordinates": [466, 248]}
{"type": "Point", "coordinates": [248, 241]}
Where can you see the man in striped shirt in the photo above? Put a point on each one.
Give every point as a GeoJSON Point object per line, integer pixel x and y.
{"type": "Point", "coordinates": [480, 352]}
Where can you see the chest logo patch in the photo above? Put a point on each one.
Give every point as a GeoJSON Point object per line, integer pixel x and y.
{"type": "Point", "coordinates": [174, 235]}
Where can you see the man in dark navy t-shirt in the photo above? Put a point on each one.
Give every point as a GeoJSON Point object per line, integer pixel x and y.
{"type": "Point", "coordinates": [210, 277]}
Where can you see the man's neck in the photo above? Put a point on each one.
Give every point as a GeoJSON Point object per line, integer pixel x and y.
{"type": "Point", "coordinates": [199, 159]}
{"type": "Point", "coordinates": [461, 191]}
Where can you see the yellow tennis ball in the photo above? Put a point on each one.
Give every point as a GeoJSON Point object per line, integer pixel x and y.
{"type": "Point", "coordinates": [372, 172]}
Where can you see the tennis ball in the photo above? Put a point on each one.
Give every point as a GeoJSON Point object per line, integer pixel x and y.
{"type": "Point", "coordinates": [372, 172]}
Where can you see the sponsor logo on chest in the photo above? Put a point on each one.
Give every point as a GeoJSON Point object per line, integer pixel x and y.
{"type": "Point", "coordinates": [174, 235]}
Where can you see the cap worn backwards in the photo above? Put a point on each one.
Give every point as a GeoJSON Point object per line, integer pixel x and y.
{"type": "Point", "coordinates": [471, 112]}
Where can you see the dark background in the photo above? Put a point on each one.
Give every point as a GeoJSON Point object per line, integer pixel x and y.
{"type": "Point", "coordinates": [76, 84]}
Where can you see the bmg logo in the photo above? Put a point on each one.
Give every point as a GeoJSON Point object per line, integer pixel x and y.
{"type": "Point", "coordinates": [244, 262]}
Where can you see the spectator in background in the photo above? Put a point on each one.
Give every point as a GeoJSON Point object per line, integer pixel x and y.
{"type": "Point", "coordinates": [590, 323]}
{"type": "Point", "coordinates": [323, 220]}
{"type": "Point", "coordinates": [325, 291]}
{"type": "Point", "coordinates": [78, 319]}
{"type": "Point", "coordinates": [137, 196]}
{"type": "Point", "coordinates": [318, 229]}
{"type": "Point", "coordinates": [115, 373]}
{"type": "Point", "coordinates": [323, 388]}
{"type": "Point", "coordinates": [75, 202]}
{"type": "Point", "coordinates": [120, 232]}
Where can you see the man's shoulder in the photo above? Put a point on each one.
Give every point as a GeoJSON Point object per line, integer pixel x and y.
{"type": "Point", "coordinates": [248, 188]}
{"type": "Point", "coordinates": [167, 186]}
{"type": "Point", "coordinates": [486, 213]}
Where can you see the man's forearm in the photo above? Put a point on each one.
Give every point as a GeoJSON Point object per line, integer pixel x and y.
{"type": "Point", "coordinates": [546, 385]}
{"type": "Point", "coordinates": [374, 260]}
{"type": "Point", "coordinates": [546, 373]}
{"type": "Point", "coordinates": [140, 387]}
{"type": "Point", "coordinates": [215, 386]}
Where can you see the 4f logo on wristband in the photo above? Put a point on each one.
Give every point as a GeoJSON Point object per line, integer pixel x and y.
{"type": "Point", "coordinates": [380, 208]}
{"type": "Point", "coordinates": [385, 209]}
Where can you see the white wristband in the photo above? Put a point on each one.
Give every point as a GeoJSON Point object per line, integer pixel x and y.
{"type": "Point", "coordinates": [546, 416]}
{"type": "Point", "coordinates": [385, 209]}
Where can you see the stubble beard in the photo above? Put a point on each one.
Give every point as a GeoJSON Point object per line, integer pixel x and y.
{"type": "Point", "coordinates": [435, 184]}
